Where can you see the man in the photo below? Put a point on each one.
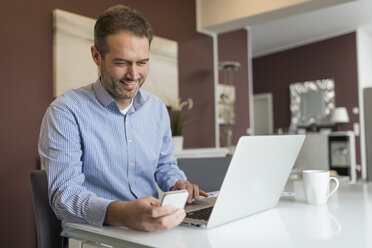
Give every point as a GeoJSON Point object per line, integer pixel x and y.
{"type": "Point", "coordinates": [105, 146]}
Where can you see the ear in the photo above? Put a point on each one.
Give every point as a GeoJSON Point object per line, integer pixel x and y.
{"type": "Point", "coordinates": [95, 55]}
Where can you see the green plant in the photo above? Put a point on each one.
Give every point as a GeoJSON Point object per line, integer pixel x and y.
{"type": "Point", "coordinates": [178, 121]}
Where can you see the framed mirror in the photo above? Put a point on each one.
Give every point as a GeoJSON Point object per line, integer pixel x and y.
{"type": "Point", "coordinates": [312, 102]}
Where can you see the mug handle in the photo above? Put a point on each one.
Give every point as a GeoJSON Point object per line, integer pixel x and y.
{"type": "Point", "coordinates": [335, 188]}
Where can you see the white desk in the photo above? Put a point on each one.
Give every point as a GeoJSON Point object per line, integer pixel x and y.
{"type": "Point", "coordinates": [346, 221]}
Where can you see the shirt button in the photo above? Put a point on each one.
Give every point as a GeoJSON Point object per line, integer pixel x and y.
{"type": "Point", "coordinates": [130, 140]}
{"type": "Point", "coordinates": [132, 184]}
{"type": "Point", "coordinates": [131, 163]}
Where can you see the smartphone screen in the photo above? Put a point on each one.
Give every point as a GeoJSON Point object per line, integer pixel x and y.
{"type": "Point", "coordinates": [175, 198]}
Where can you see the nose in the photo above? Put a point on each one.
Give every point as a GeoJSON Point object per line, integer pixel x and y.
{"type": "Point", "coordinates": [133, 72]}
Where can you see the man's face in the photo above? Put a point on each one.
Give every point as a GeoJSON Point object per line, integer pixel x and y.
{"type": "Point", "coordinates": [124, 68]}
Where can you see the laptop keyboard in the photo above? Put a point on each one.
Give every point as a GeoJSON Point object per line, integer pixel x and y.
{"type": "Point", "coordinates": [202, 214]}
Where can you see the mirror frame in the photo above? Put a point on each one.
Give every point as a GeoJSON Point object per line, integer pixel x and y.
{"type": "Point", "coordinates": [297, 93]}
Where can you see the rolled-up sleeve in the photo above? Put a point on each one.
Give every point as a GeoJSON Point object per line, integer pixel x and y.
{"type": "Point", "coordinates": [60, 149]}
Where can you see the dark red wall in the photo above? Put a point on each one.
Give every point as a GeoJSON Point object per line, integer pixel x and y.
{"type": "Point", "coordinates": [26, 65]}
{"type": "Point", "coordinates": [233, 46]}
{"type": "Point", "coordinates": [332, 58]}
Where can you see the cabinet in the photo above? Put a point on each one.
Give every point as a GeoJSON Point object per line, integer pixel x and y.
{"type": "Point", "coordinates": [333, 151]}
{"type": "Point", "coordinates": [342, 158]}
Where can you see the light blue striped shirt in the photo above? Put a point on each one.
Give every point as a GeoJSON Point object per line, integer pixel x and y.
{"type": "Point", "coordinates": [94, 154]}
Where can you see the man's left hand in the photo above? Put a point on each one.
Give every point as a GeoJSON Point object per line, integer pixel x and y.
{"type": "Point", "coordinates": [193, 190]}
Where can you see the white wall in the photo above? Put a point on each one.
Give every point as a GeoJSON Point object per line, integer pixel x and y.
{"type": "Point", "coordinates": [229, 10]}
{"type": "Point", "coordinates": [364, 53]}
{"type": "Point", "coordinates": [219, 16]}
{"type": "Point", "coordinates": [364, 60]}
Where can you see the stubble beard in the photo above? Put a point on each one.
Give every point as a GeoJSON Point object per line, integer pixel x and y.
{"type": "Point", "coordinates": [115, 88]}
{"type": "Point", "coordinates": [124, 93]}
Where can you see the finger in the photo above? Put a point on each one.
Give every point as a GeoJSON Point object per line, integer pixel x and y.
{"type": "Point", "coordinates": [178, 217]}
{"type": "Point", "coordinates": [203, 193]}
{"type": "Point", "coordinates": [190, 189]}
{"type": "Point", "coordinates": [157, 212]}
{"type": "Point", "coordinates": [196, 192]}
{"type": "Point", "coordinates": [170, 221]}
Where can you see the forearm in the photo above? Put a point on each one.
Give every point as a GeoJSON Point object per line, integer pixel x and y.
{"type": "Point", "coordinates": [167, 175]}
{"type": "Point", "coordinates": [115, 214]}
{"type": "Point", "coordinates": [80, 207]}
{"type": "Point", "coordinates": [71, 201]}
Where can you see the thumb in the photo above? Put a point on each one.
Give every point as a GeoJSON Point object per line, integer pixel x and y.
{"type": "Point", "coordinates": [153, 201]}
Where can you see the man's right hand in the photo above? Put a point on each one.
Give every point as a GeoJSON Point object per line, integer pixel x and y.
{"type": "Point", "coordinates": [144, 214]}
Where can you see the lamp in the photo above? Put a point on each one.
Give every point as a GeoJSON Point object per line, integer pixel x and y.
{"type": "Point", "coordinates": [339, 115]}
{"type": "Point", "coordinates": [228, 65]}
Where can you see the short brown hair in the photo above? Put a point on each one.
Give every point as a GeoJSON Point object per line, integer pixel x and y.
{"type": "Point", "coordinates": [116, 19]}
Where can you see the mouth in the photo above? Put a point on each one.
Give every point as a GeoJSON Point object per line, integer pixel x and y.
{"type": "Point", "coordinates": [129, 84]}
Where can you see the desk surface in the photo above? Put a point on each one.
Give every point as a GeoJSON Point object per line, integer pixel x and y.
{"type": "Point", "coordinates": [346, 221]}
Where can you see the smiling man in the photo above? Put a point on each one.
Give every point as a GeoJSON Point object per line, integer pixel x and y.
{"type": "Point", "coordinates": [124, 68]}
{"type": "Point", "coordinates": [108, 145]}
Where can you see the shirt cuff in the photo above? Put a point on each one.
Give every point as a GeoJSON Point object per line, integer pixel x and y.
{"type": "Point", "coordinates": [96, 212]}
{"type": "Point", "coordinates": [171, 182]}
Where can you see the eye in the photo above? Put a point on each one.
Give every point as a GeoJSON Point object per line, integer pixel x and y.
{"type": "Point", "coordinates": [121, 64]}
{"type": "Point", "coordinates": [142, 63]}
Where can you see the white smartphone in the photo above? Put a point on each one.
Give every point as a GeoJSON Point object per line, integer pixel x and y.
{"type": "Point", "coordinates": [176, 198]}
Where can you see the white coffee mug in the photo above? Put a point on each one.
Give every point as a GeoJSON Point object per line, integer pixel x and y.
{"type": "Point", "coordinates": [316, 185]}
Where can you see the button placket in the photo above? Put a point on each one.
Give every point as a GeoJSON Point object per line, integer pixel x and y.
{"type": "Point", "coordinates": [131, 152]}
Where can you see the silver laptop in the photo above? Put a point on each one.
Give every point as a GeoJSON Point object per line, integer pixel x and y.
{"type": "Point", "coordinates": [256, 176]}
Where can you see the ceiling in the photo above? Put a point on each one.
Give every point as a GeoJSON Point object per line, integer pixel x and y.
{"type": "Point", "coordinates": [296, 30]}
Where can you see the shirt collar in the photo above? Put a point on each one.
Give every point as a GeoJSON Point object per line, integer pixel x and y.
{"type": "Point", "coordinates": [102, 95]}
{"type": "Point", "coordinates": [105, 99]}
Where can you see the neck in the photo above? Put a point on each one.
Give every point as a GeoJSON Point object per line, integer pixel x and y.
{"type": "Point", "coordinates": [123, 103]}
